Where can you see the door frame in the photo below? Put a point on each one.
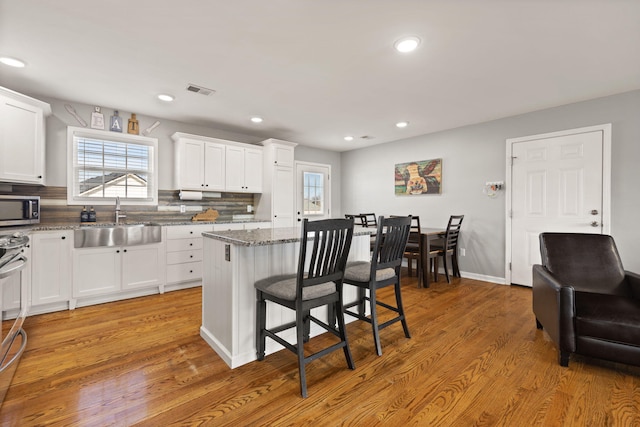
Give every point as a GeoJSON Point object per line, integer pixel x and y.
{"type": "Point", "coordinates": [606, 181]}
{"type": "Point", "coordinates": [299, 191]}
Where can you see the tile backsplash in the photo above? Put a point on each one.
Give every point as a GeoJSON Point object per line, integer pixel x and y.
{"type": "Point", "coordinates": [54, 208]}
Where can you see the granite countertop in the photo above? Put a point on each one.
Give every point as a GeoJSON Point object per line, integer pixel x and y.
{"type": "Point", "coordinates": [68, 226]}
{"type": "Point", "coordinates": [268, 236]}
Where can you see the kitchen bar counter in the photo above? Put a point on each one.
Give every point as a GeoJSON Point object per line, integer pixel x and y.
{"type": "Point", "coordinates": [268, 236]}
{"type": "Point", "coordinates": [233, 262]}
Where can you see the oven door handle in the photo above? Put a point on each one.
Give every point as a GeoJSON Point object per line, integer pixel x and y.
{"type": "Point", "coordinates": [9, 271]}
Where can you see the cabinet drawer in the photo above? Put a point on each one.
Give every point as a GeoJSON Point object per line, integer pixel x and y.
{"type": "Point", "coordinates": [184, 272]}
{"type": "Point", "coordinates": [184, 256]}
{"type": "Point", "coordinates": [184, 244]}
{"type": "Point", "coordinates": [185, 232]}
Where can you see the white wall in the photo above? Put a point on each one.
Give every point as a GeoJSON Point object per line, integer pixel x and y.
{"type": "Point", "coordinates": [475, 154]}
{"type": "Point", "coordinates": [56, 142]}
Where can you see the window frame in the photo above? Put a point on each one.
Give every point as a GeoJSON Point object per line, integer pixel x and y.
{"type": "Point", "coordinates": [77, 132]}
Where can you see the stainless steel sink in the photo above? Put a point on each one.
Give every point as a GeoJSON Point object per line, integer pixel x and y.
{"type": "Point", "coordinates": [117, 235]}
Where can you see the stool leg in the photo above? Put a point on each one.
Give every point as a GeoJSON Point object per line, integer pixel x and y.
{"type": "Point", "coordinates": [261, 323]}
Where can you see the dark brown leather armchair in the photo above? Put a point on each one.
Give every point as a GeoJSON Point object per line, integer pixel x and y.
{"type": "Point", "coordinates": [585, 300]}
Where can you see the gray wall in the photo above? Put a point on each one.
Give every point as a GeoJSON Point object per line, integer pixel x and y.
{"type": "Point", "coordinates": [475, 154]}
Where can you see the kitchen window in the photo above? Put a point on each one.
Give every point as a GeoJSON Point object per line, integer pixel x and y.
{"type": "Point", "coordinates": [105, 165]}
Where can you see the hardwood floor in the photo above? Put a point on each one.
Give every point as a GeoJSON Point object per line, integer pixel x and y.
{"type": "Point", "coordinates": [475, 358]}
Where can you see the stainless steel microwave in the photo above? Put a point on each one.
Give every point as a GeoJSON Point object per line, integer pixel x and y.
{"type": "Point", "coordinates": [19, 210]}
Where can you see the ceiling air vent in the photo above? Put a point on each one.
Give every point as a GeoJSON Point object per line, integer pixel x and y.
{"type": "Point", "coordinates": [199, 89]}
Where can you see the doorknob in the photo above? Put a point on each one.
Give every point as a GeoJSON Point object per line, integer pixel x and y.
{"type": "Point", "coordinates": [594, 212]}
{"type": "Point", "coordinates": [595, 224]}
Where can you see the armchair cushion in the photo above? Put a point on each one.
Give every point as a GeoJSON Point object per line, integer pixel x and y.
{"type": "Point", "coordinates": [608, 317]}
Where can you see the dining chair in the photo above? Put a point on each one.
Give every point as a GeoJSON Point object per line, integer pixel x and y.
{"type": "Point", "coordinates": [414, 247]}
{"type": "Point", "coordinates": [448, 248]}
{"type": "Point", "coordinates": [369, 219]}
{"type": "Point", "coordinates": [358, 219]}
{"type": "Point", "coordinates": [383, 270]}
{"type": "Point", "coordinates": [319, 285]}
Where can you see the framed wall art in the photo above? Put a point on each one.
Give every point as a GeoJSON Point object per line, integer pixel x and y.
{"type": "Point", "coordinates": [418, 177]}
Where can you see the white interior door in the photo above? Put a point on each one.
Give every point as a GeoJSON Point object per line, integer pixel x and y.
{"type": "Point", "coordinates": [313, 191]}
{"type": "Point", "coordinates": [557, 185]}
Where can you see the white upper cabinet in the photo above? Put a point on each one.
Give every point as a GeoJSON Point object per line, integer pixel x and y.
{"type": "Point", "coordinates": [277, 203]}
{"type": "Point", "coordinates": [200, 164]}
{"type": "Point", "coordinates": [22, 138]}
{"type": "Point", "coordinates": [211, 164]}
{"type": "Point", "coordinates": [281, 152]}
{"type": "Point", "coordinates": [244, 169]}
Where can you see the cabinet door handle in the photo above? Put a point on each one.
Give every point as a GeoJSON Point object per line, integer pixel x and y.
{"type": "Point", "coordinates": [125, 250]}
{"type": "Point", "coordinates": [190, 271]}
{"type": "Point", "coordinates": [190, 244]}
{"type": "Point", "coordinates": [118, 251]}
{"type": "Point", "coordinates": [64, 237]}
{"type": "Point", "coordinates": [190, 256]}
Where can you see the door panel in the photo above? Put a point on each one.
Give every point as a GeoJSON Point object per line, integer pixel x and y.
{"type": "Point", "coordinates": [556, 184]}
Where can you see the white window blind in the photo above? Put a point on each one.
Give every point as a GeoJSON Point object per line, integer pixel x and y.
{"type": "Point", "coordinates": [106, 166]}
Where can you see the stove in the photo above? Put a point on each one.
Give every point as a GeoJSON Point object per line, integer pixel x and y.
{"type": "Point", "coordinates": [9, 243]}
{"type": "Point", "coordinates": [12, 263]}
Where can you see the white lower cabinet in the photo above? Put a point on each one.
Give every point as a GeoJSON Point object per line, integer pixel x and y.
{"type": "Point", "coordinates": [99, 271]}
{"type": "Point", "coordinates": [51, 270]}
{"type": "Point", "coordinates": [184, 252]}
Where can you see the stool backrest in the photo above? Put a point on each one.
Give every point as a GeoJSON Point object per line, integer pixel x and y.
{"type": "Point", "coordinates": [326, 259]}
{"type": "Point", "coordinates": [391, 241]}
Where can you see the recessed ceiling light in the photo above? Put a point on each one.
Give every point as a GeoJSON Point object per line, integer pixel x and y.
{"type": "Point", "coordinates": [256, 119]}
{"type": "Point", "coordinates": [348, 138]}
{"type": "Point", "coordinates": [166, 98]}
{"type": "Point", "coordinates": [407, 44]}
{"type": "Point", "coordinates": [12, 62]}
{"type": "Point", "coordinates": [402, 124]}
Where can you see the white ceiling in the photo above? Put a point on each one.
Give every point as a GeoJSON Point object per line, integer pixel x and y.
{"type": "Point", "coordinates": [317, 71]}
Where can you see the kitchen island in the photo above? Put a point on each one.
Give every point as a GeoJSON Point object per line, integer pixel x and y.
{"type": "Point", "coordinates": [233, 262]}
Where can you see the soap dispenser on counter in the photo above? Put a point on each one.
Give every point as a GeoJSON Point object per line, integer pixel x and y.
{"type": "Point", "coordinates": [92, 215]}
{"type": "Point", "coordinates": [84, 215]}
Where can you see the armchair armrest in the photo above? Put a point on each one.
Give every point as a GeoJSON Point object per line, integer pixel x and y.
{"type": "Point", "coordinates": [634, 283]}
{"type": "Point", "coordinates": [554, 308]}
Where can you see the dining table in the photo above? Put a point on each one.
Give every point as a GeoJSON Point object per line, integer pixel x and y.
{"type": "Point", "coordinates": [428, 235]}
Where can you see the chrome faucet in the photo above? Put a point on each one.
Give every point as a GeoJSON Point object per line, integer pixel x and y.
{"type": "Point", "coordinates": [118, 215]}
